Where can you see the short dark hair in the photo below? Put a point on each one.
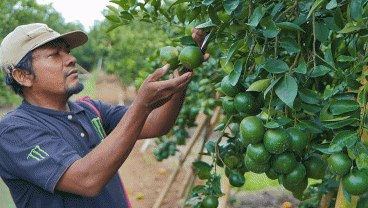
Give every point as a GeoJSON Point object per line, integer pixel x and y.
{"type": "Point", "coordinates": [26, 64]}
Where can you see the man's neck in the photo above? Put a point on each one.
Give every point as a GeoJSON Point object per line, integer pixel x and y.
{"type": "Point", "coordinates": [50, 102]}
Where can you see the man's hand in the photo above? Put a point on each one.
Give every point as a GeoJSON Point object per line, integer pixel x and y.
{"type": "Point", "coordinates": [153, 93]}
{"type": "Point", "coordinates": [199, 35]}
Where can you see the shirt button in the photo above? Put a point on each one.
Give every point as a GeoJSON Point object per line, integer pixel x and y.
{"type": "Point", "coordinates": [82, 134]}
{"type": "Point", "coordinates": [70, 117]}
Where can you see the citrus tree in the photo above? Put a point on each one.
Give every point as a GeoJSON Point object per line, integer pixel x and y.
{"type": "Point", "coordinates": [293, 84]}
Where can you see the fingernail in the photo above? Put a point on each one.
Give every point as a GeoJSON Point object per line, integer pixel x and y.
{"type": "Point", "coordinates": [166, 67]}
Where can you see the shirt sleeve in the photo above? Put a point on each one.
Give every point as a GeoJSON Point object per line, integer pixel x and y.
{"type": "Point", "coordinates": [111, 115]}
{"type": "Point", "coordinates": [34, 154]}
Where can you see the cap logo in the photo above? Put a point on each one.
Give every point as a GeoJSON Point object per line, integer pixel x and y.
{"type": "Point", "coordinates": [39, 31]}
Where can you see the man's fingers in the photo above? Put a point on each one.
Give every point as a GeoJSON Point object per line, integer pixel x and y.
{"type": "Point", "coordinates": [206, 57]}
{"type": "Point", "coordinates": [174, 83]}
{"type": "Point", "coordinates": [159, 73]}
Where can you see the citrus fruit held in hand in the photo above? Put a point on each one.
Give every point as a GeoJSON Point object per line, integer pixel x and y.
{"type": "Point", "coordinates": [258, 153]}
{"type": "Point", "coordinates": [299, 140]}
{"type": "Point", "coordinates": [232, 160]}
{"type": "Point", "coordinates": [315, 166]}
{"type": "Point", "coordinates": [170, 55]}
{"type": "Point", "coordinates": [340, 163]}
{"type": "Point", "coordinates": [236, 179]}
{"type": "Point", "coordinates": [284, 163]}
{"type": "Point", "coordinates": [227, 88]}
{"type": "Point", "coordinates": [276, 141]}
{"type": "Point", "coordinates": [191, 57]}
{"type": "Point", "coordinates": [228, 106]}
{"type": "Point", "coordinates": [256, 167]}
{"type": "Point", "coordinates": [251, 130]}
{"type": "Point", "coordinates": [296, 175]}
{"type": "Point", "coordinates": [210, 202]}
{"type": "Point", "coordinates": [355, 182]}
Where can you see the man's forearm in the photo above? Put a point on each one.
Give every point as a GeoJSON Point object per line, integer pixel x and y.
{"type": "Point", "coordinates": [90, 174]}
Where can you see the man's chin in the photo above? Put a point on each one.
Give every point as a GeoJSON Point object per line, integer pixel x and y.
{"type": "Point", "coordinates": [75, 90]}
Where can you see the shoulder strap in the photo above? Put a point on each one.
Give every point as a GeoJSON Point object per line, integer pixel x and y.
{"type": "Point", "coordinates": [82, 99]}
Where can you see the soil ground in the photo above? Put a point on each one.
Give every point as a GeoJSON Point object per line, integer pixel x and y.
{"type": "Point", "coordinates": [141, 172]}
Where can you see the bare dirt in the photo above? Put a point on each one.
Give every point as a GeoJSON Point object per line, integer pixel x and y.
{"type": "Point", "coordinates": [144, 176]}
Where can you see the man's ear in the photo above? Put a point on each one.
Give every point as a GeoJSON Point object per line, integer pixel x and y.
{"type": "Point", "coordinates": [23, 77]}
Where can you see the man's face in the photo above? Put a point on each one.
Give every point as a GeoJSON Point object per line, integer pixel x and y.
{"type": "Point", "coordinates": [55, 70]}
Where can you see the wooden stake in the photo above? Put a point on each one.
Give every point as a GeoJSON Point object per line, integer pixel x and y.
{"type": "Point", "coordinates": [195, 137]}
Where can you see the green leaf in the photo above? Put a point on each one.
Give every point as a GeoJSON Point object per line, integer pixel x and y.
{"type": "Point", "coordinates": [338, 124]}
{"type": "Point", "coordinates": [202, 165]}
{"type": "Point", "coordinates": [180, 14]}
{"type": "Point", "coordinates": [188, 41]}
{"type": "Point", "coordinates": [205, 25]}
{"type": "Point", "coordinates": [310, 108]}
{"type": "Point", "coordinates": [235, 74]}
{"type": "Point", "coordinates": [322, 32]}
{"type": "Point", "coordinates": [113, 9]}
{"type": "Point", "coordinates": [210, 146]}
{"type": "Point", "coordinates": [309, 126]}
{"type": "Point", "coordinates": [320, 71]}
{"type": "Point", "coordinates": [273, 83]}
{"type": "Point", "coordinates": [283, 120]}
{"type": "Point", "coordinates": [113, 18]}
{"type": "Point", "coordinates": [324, 148]}
{"type": "Point", "coordinates": [329, 56]}
{"type": "Point", "coordinates": [302, 68]}
{"type": "Point", "coordinates": [276, 66]}
{"type": "Point", "coordinates": [230, 5]}
{"type": "Point", "coordinates": [287, 90]}
{"type": "Point", "coordinates": [339, 19]}
{"type": "Point", "coordinates": [339, 107]}
{"type": "Point", "coordinates": [126, 15]}
{"type": "Point", "coordinates": [113, 27]}
{"type": "Point", "coordinates": [233, 49]}
{"type": "Point", "coordinates": [290, 45]}
{"type": "Point", "coordinates": [194, 14]}
{"type": "Point", "coordinates": [343, 139]}
{"type": "Point", "coordinates": [260, 85]}
{"type": "Point", "coordinates": [362, 162]}
{"type": "Point", "coordinates": [317, 4]}
{"type": "Point", "coordinates": [272, 125]}
{"type": "Point", "coordinates": [208, 2]}
{"type": "Point", "coordinates": [350, 27]}
{"type": "Point", "coordinates": [343, 58]}
{"type": "Point", "coordinates": [216, 185]}
{"type": "Point", "coordinates": [220, 127]}
{"type": "Point", "coordinates": [271, 30]}
{"type": "Point", "coordinates": [256, 17]}
{"type": "Point", "coordinates": [336, 119]}
{"type": "Point", "coordinates": [331, 5]}
{"type": "Point", "coordinates": [213, 16]}
{"type": "Point", "coordinates": [289, 26]}
{"type": "Point", "coordinates": [309, 96]}
{"type": "Point", "coordinates": [356, 9]}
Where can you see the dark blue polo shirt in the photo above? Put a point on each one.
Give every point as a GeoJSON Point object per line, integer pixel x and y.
{"type": "Point", "coordinates": [37, 145]}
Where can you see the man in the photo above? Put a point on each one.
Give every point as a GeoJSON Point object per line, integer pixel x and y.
{"type": "Point", "coordinates": [51, 149]}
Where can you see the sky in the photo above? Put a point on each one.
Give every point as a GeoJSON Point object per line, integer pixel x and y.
{"type": "Point", "coordinates": [84, 11]}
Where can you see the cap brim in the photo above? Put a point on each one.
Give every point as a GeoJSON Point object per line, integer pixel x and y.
{"type": "Point", "coordinates": [74, 39]}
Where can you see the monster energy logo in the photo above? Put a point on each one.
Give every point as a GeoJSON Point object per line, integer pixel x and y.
{"type": "Point", "coordinates": [37, 153]}
{"type": "Point", "coordinates": [96, 122]}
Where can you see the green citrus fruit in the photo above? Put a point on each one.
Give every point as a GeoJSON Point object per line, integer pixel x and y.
{"type": "Point", "coordinates": [258, 153]}
{"type": "Point", "coordinates": [204, 174]}
{"type": "Point", "coordinates": [276, 141]}
{"type": "Point", "coordinates": [272, 174]}
{"type": "Point", "coordinates": [296, 175]}
{"type": "Point", "coordinates": [227, 88]}
{"type": "Point", "coordinates": [284, 163]}
{"type": "Point", "coordinates": [245, 103]}
{"type": "Point", "coordinates": [256, 167]}
{"type": "Point", "coordinates": [236, 179]}
{"type": "Point", "coordinates": [299, 140]}
{"type": "Point", "coordinates": [297, 189]}
{"type": "Point", "coordinates": [340, 163]}
{"type": "Point", "coordinates": [191, 57]}
{"type": "Point", "coordinates": [228, 171]}
{"type": "Point", "coordinates": [315, 166]}
{"type": "Point", "coordinates": [224, 17]}
{"type": "Point", "coordinates": [355, 182]}
{"type": "Point", "coordinates": [210, 202]}
{"type": "Point", "coordinates": [232, 160]}
{"type": "Point", "coordinates": [170, 55]}
{"type": "Point", "coordinates": [251, 130]}
{"type": "Point", "coordinates": [228, 106]}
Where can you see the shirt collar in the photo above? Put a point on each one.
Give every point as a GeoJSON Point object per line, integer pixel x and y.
{"type": "Point", "coordinates": [73, 107]}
